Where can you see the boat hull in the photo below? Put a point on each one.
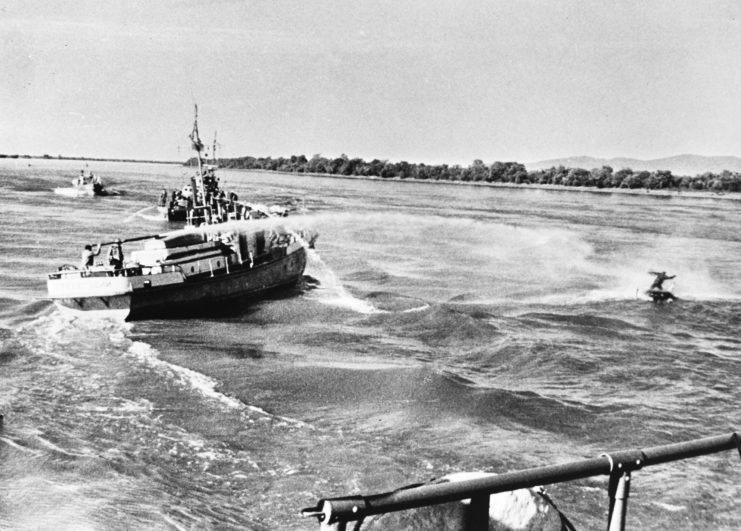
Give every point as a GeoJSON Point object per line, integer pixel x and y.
{"type": "Point", "coordinates": [177, 214]}
{"type": "Point", "coordinates": [205, 295]}
{"type": "Point", "coordinates": [661, 295]}
{"type": "Point", "coordinates": [74, 191]}
{"type": "Point", "coordinates": [85, 190]}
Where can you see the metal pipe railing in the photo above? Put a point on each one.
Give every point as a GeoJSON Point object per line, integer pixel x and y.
{"type": "Point", "coordinates": [338, 512]}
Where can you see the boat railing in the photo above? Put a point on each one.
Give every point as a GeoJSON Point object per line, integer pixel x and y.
{"type": "Point", "coordinates": [104, 271]}
{"type": "Point", "coordinates": [221, 210]}
{"type": "Point", "coordinates": [95, 271]}
{"type": "Point", "coordinates": [336, 513]}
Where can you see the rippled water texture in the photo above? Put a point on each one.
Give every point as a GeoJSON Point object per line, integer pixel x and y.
{"type": "Point", "coordinates": [439, 328]}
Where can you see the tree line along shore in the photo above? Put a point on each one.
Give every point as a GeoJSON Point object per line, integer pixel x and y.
{"type": "Point", "coordinates": [604, 177]}
{"type": "Point", "coordinates": [497, 172]}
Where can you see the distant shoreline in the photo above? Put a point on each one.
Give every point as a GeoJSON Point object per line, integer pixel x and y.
{"type": "Point", "coordinates": [697, 194]}
{"type": "Point", "coordinates": [86, 159]}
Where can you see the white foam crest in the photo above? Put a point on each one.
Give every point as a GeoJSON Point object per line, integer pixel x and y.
{"type": "Point", "coordinates": [44, 443]}
{"type": "Point", "coordinates": [17, 446]}
{"type": "Point", "coordinates": [331, 291]}
{"type": "Point", "coordinates": [73, 192]}
{"type": "Point", "coordinates": [173, 523]}
{"type": "Point", "coordinates": [123, 408]}
{"type": "Point", "coordinates": [203, 384]}
{"type": "Point", "coordinates": [60, 322]}
{"type": "Point", "coordinates": [417, 309]}
{"type": "Point", "coordinates": [57, 328]}
{"type": "Point", "coordinates": [52, 324]}
{"type": "Point", "coordinates": [200, 382]}
{"type": "Point", "coordinates": [670, 507]}
{"type": "Point", "coordinates": [365, 364]}
{"type": "Point", "coordinates": [191, 445]}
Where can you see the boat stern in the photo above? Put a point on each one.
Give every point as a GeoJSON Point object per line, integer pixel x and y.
{"type": "Point", "coordinates": [96, 290]}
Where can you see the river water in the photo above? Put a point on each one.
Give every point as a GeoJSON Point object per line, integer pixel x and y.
{"type": "Point", "coordinates": [439, 328]}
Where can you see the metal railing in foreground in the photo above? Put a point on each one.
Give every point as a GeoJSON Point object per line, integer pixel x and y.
{"type": "Point", "coordinates": [336, 513]}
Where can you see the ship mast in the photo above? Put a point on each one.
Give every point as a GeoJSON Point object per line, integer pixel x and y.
{"type": "Point", "coordinates": [198, 147]}
{"type": "Point", "coordinates": [213, 152]}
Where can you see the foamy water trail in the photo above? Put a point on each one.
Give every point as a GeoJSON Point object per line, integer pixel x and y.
{"type": "Point", "coordinates": [331, 291]}
{"type": "Point", "coordinates": [567, 270]}
{"type": "Point", "coordinates": [630, 278]}
{"type": "Point", "coordinates": [197, 381]}
{"type": "Point", "coordinates": [18, 447]}
{"type": "Point", "coordinates": [417, 309]}
{"type": "Point", "coordinates": [140, 214]}
{"type": "Point", "coordinates": [60, 329]}
{"type": "Point", "coordinates": [72, 192]}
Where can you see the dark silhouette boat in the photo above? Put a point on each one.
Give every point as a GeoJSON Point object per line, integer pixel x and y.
{"type": "Point", "coordinates": [661, 295]}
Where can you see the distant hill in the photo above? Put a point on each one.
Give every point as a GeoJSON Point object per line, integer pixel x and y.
{"type": "Point", "coordinates": [679, 165]}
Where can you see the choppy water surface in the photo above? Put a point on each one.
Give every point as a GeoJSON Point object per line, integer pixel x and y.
{"type": "Point", "coordinates": [439, 328]}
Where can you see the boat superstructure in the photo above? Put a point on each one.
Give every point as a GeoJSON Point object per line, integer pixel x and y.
{"type": "Point", "coordinates": [183, 272]}
{"type": "Point", "coordinates": [202, 201]}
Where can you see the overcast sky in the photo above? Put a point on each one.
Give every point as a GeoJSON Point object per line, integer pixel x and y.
{"type": "Point", "coordinates": [423, 81]}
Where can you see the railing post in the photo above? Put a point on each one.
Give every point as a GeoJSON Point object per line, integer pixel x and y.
{"type": "Point", "coordinates": [477, 516]}
{"type": "Point", "coordinates": [619, 491]}
{"type": "Point", "coordinates": [328, 513]}
{"type": "Point", "coordinates": [337, 526]}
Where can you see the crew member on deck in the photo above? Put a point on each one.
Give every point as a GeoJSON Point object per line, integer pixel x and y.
{"type": "Point", "coordinates": [115, 255]}
{"type": "Point", "coordinates": [88, 255]}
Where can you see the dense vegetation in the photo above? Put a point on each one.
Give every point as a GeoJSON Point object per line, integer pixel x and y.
{"type": "Point", "coordinates": [497, 172]}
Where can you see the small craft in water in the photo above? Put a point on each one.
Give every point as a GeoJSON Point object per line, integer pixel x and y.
{"type": "Point", "coordinates": [656, 292]}
{"type": "Point", "coordinates": [84, 185]}
{"type": "Point", "coordinates": [661, 295]}
{"type": "Point", "coordinates": [180, 273]}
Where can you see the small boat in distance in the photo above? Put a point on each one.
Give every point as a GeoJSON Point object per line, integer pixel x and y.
{"type": "Point", "coordinates": [84, 186]}
{"type": "Point", "coordinates": [183, 273]}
